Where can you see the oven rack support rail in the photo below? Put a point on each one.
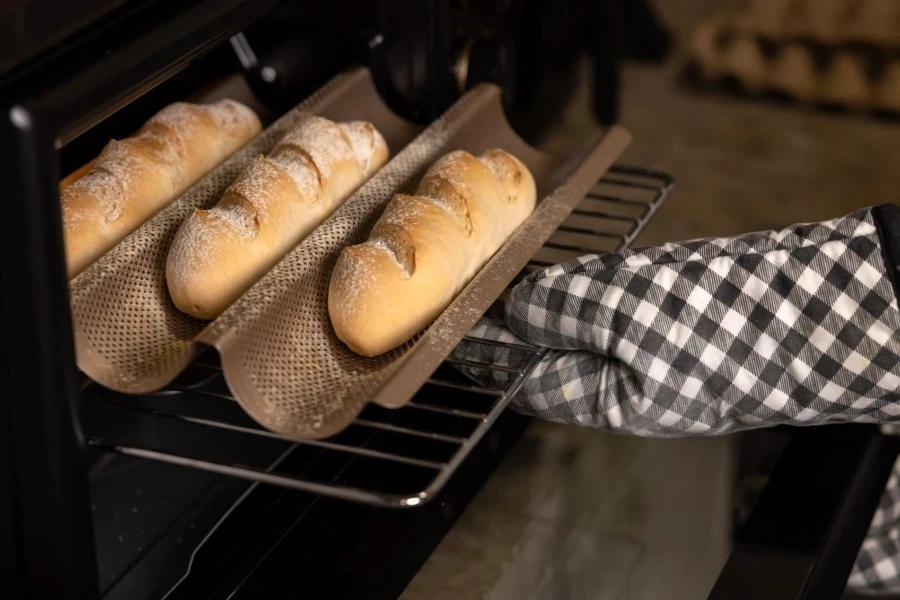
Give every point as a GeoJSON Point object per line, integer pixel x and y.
{"type": "Point", "coordinates": [414, 450]}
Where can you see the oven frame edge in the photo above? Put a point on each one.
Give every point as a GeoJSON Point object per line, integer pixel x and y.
{"type": "Point", "coordinates": [47, 549]}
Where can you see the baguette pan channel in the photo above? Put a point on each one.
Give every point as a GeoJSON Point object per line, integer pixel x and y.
{"type": "Point", "coordinates": [129, 336]}
{"type": "Point", "coordinates": [280, 355]}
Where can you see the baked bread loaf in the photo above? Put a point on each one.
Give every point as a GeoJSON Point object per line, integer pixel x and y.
{"type": "Point", "coordinates": [135, 178]}
{"type": "Point", "coordinates": [426, 248]}
{"type": "Point", "coordinates": [278, 200]}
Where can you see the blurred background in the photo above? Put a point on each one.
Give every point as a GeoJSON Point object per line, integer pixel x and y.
{"type": "Point", "coordinates": [741, 163]}
{"type": "Point", "coordinates": [573, 514]}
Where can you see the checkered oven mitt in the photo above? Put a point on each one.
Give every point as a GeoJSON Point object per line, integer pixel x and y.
{"type": "Point", "coordinates": [798, 326]}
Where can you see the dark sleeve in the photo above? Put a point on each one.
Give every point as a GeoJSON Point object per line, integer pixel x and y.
{"type": "Point", "coordinates": [887, 221]}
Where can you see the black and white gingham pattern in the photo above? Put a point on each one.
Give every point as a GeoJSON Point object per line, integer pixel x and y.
{"type": "Point", "coordinates": [877, 568]}
{"type": "Point", "coordinates": [705, 337]}
{"type": "Point", "coordinates": [711, 336]}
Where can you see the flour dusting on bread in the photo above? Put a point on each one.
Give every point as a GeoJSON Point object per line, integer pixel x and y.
{"type": "Point", "coordinates": [269, 208]}
{"type": "Point", "coordinates": [426, 247]}
{"type": "Point", "coordinates": [132, 179]}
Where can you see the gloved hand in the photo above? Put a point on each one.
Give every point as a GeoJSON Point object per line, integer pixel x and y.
{"type": "Point", "coordinates": [799, 326]}
{"type": "Point", "coordinates": [705, 337]}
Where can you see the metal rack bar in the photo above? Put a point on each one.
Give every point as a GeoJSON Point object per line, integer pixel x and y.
{"type": "Point", "coordinates": [276, 436]}
{"type": "Point", "coordinates": [512, 345]}
{"type": "Point", "coordinates": [570, 247]}
{"type": "Point", "coordinates": [478, 364]}
{"type": "Point", "coordinates": [624, 183]}
{"type": "Point", "coordinates": [447, 411]}
{"type": "Point", "coordinates": [451, 411]}
{"type": "Point", "coordinates": [602, 215]}
{"type": "Point", "coordinates": [614, 199]}
{"type": "Point", "coordinates": [668, 184]}
{"type": "Point", "coordinates": [587, 231]}
{"type": "Point", "coordinates": [451, 439]}
{"type": "Point", "coordinates": [540, 263]}
{"type": "Point", "coordinates": [200, 392]}
{"type": "Point", "coordinates": [465, 388]}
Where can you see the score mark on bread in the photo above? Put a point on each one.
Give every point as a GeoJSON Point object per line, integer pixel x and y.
{"type": "Point", "coordinates": [426, 248]}
{"type": "Point", "coordinates": [134, 178]}
{"type": "Point", "coordinates": [217, 254]}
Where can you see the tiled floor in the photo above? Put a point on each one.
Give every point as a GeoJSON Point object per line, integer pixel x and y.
{"type": "Point", "coordinates": [576, 514]}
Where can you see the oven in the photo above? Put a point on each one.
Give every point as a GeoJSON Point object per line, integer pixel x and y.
{"type": "Point", "coordinates": [175, 492]}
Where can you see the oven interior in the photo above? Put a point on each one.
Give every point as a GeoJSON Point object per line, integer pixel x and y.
{"type": "Point", "coordinates": [187, 497]}
{"type": "Point", "coordinates": [183, 486]}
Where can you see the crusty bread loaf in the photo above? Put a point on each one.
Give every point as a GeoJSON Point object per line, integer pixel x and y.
{"type": "Point", "coordinates": [278, 200]}
{"type": "Point", "coordinates": [426, 248]}
{"type": "Point", "coordinates": [135, 178]}
{"type": "Point", "coordinates": [76, 175]}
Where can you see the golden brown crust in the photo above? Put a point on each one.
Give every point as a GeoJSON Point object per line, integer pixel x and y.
{"type": "Point", "coordinates": [426, 248]}
{"type": "Point", "coordinates": [134, 178]}
{"type": "Point", "coordinates": [272, 205]}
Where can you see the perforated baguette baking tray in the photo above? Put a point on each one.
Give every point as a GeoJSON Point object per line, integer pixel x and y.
{"type": "Point", "coordinates": [279, 354]}
{"type": "Point", "coordinates": [128, 334]}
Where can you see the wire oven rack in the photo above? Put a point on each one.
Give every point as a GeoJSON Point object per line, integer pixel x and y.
{"type": "Point", "coordinates": [388, 458]}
